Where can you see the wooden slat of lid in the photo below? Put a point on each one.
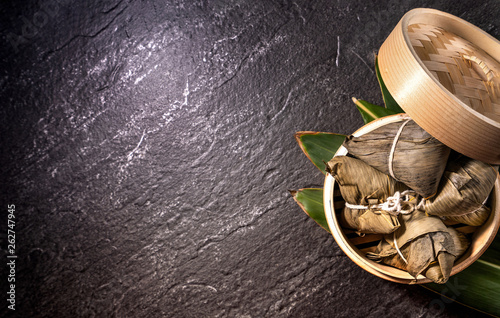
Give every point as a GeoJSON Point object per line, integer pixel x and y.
{"type": "Point", "coordinates": [442, 59]}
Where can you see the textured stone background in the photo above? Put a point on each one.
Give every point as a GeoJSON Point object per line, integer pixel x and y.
{"type": "Point", "coordinates": [148, 148]}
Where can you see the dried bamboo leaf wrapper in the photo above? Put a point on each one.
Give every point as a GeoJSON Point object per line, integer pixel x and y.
{"type": "Point", "coordinates": [439, 272]}
{"type": "Point", "coordinates": [427, 245]}
{"type": "Point", "coordinates": [369, 221]}
{"type": "Point", "coordinates": [461, 242]}
{"type": "Point", "coordinates": [418, 159]}
{"type": "Point", "coordinates": [464, 188]}
{"type": "Point", "coordinates": [386, 253]}
{"type": "Point", "coordinates": [426, 255]}
{"type": "Point", "coordinates": [476, 218]}
{"type": "Point", "coordinates": [416, 224]}
{"type": "Point", "coordinates": [358, 182]}
{"type": "Point", "coordinates": [361, 184]}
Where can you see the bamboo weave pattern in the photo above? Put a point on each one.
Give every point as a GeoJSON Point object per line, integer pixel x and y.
{"type": "Point", "coordinates": [461, 67]}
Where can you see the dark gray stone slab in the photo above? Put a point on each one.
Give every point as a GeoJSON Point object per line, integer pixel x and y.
{"type": "Point", "coordinates": [148, 148]}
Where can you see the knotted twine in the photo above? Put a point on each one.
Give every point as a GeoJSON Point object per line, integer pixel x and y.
{"type": "Point", "coordinates": [399, 203]}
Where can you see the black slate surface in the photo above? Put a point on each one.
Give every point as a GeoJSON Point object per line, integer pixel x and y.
{"type": "Point", "coordinates": [148, 148]}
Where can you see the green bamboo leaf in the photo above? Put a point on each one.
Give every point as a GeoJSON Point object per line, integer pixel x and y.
{"type": "Point", "coordinates": [370, 112]}
{"type": "Point", "coordinates": [319, 147]}
{"type": "Point", "coordinates": [477, 286]}
{"type": "Point", "coordinates": [389, 101]}
{"type": "Point", "coordinates": [311, 201]}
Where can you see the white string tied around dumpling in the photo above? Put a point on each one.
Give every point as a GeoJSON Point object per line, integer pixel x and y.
{"type": "Point", "coordinates": [393, 148]}
{"type": "Point", "coordinates": [399, 203]}
{"type": "Point", "coordinates": [397, 248]}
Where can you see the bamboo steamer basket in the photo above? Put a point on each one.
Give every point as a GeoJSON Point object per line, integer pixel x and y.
{"type": "Point", "coordinates": [444, 73]}
{"type": "Point", "coordinates": [356, 246]}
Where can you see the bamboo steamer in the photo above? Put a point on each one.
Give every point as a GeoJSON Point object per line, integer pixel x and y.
{"type": "Point", "coordinates": [356, 246]}
{"type": "Point", "coordinates": [445, 73]}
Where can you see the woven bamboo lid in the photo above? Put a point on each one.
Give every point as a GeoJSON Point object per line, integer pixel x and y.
{"type": "Point", "coordinates": [445, 73]}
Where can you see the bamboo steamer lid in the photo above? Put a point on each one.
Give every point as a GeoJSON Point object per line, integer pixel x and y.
{"type": "Point", "coordinates": [355, 246]}
{"type": "Point", "coordinates": [445, 73]}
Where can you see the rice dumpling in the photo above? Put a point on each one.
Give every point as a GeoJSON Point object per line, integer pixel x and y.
{"type": "Point", "coordinates": [368, 221]}
{"type": "Point", "coordinates": [421, 245]}
{"type": "Point", "coordinates": [463, 191]}
{"type": "Point", "coordinates": [404, 151]}
{"type": "Point", "coordinates": [461, 242]}
{"type": "Point", "coordinates": [361, 187]}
